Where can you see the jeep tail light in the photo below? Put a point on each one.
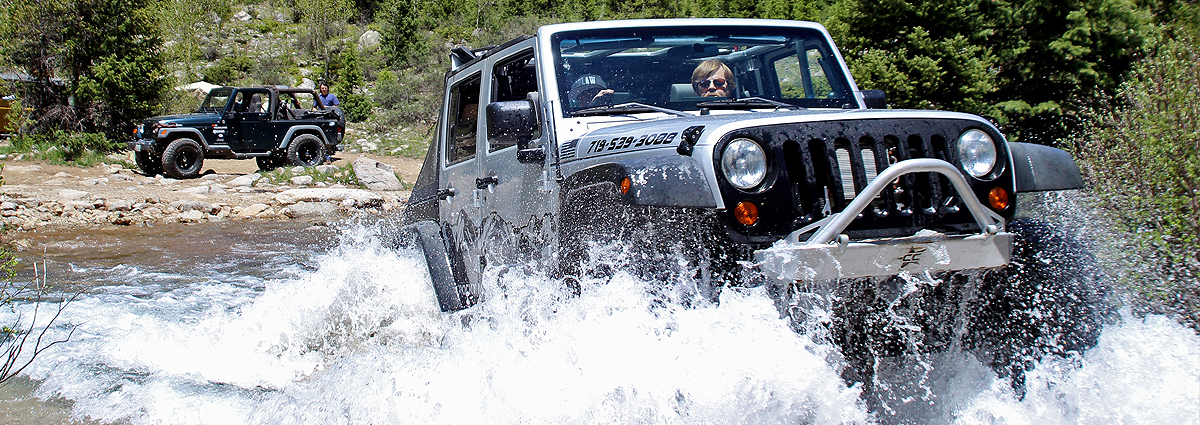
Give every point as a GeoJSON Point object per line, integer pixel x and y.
{"type": "Point", "coordinates": [998, 198]}
{"type": "Point", "coordinates": [746, 213]}
{"type": "Point", "coordinates": [626, 184]}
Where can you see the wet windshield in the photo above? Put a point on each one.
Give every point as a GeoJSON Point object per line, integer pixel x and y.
{"type": "Point", "coordinates": [216, 99]}
{"type": "Point", "coordinates": [687, 68]}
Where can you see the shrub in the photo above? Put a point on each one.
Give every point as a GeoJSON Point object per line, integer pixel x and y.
{"type": "Point", "coordinates": [1141, 154]}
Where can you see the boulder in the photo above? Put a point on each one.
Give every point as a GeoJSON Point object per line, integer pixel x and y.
{"type": "Point", "coordinates": [72, 194]}
{"type": "Point", "coordinates": [194, 205]}
{"type": "Point", "coordinates": [117, 205]}
{"type": "Point", "coordinates": [191, 216]}
{"type": "Point", "coordinates": [309, 208]}
{"type": "Point", "coordinates": [369, 40]}
{"type": "Point", "coordinates": [375, 175]}
{"type": "Point", "coordinates": [357, 197]}
{"type": "Point", "coordinates": [301, 180]}
{"type": "Point", "coordinates": [252, 210]}
{"type": "Point", "coordinates": [246, 180]}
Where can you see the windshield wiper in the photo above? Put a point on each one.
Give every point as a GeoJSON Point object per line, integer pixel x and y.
{"type": "Point", "coordinates": [747, 102]}
{"type": "Point", "coordinates": [626, 108]}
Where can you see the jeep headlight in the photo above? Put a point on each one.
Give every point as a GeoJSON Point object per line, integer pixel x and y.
{"type": "Point", "coordinates": [744, 163]}
{"type": "Point", "coordinates": [977, 153]}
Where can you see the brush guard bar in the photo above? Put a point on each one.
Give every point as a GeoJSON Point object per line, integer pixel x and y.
{"type": "Point", "coordinates": [829, 254]}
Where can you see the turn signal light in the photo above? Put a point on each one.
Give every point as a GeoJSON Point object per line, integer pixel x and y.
{"type": "Point", "coordinates": [998, 198]}
{"type": "Point", "coordinates": [626, 183]}
{"type": "Point", "coordinates": [746, 213]}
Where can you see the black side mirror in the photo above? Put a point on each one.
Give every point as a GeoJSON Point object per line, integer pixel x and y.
{"type": "Point", "coordinates": [875, 99]}
{"type": "Point", "coordinates": [516, 122]}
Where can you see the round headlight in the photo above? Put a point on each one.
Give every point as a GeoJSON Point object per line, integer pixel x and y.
{"type": "Point", "coordinates": [977, 153]}
{"type": "Point", "coordinates": [744, 163]}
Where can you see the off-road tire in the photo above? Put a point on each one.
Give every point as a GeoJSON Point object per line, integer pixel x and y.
{"type": "Point", "coordinates": [150, 164]}
{"type": "Point", "coordinates": [306, 150]}
{"type": "Point", "coordinates": [267, 163]}
{"type": "Point", "coordinates": [183, 159]}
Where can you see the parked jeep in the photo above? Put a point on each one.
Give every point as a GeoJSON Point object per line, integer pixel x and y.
{"type": "Point", "coordinates": [275, 126]}
{"type": "Point", "coordinates": [791, 176]}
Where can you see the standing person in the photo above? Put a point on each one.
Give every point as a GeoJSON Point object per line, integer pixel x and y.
{"type": "Point", "coordinates": [328, 99]}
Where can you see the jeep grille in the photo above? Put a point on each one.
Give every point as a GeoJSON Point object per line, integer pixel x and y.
{"type": "Point", "coordinates": [821, 166]}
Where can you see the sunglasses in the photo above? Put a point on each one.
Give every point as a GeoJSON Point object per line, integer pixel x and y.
{"type": "Point", "coordinates": [716, 82]}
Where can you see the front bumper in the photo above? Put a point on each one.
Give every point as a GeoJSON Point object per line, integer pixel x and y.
{"type": "Point", "coordinates": [141, 145]}
{"type": "Point", "coordinates": [829, 254]}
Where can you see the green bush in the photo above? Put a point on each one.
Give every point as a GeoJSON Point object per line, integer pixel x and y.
{"type": "Point", "coordinates": [228, 70]}
{"type": "Point", "coordinates": [61, 147]}
{"type": "Point", "coordinates": [1141, 154]}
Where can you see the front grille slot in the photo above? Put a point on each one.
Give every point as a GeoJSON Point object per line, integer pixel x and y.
{"type": "Point", "coordinates": [826, 173]}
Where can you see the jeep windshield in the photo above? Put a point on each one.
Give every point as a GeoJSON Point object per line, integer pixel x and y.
{"type": "Point", "coordinates": [735, 67]}
{"type": "Point", "coordinates": [216, 99]}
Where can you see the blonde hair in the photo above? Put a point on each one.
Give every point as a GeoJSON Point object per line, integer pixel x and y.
{"type": "Point", "coordinates": [710, 67]}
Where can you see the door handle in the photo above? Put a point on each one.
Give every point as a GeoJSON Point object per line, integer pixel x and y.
{"type": "Point", "coordinates": [446, 193]}
{"type": "Point", "coordinates": [486, 182]}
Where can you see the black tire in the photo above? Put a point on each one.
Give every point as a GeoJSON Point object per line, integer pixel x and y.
{"type": "Point", "coordinates": [150, 164]}
{"type": "Point", "coordinates": [306, 150]}
{"type": "Point", "coordinates": [267, 163]}
{"type": "Point", "coordinates": [183, 159]}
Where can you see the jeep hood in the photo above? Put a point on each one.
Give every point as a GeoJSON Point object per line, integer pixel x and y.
{"type": "Point", "coordinates": [663, 132]}
{"type": "Point", "coordinates": [186, 119]}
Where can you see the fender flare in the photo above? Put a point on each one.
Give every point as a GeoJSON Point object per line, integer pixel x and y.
{"type": "Point", "coordinates": [291, 133]}
{"type": "Point", "coordinates": [659, 181]}
{"type": "Point", "coordinates": [190, 131]}
{"type": "Point", "coordinates": [446, 269]}
{"type": "Point", "coordinates": [1040, 168]}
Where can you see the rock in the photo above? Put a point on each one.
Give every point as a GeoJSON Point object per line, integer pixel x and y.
{"type": "Point", "coordinates": [198, 190]}
{"type": "Point", "coordinates": [245, 180]}
{"type": "Point", "coordinates": [22, 168]}
{"type": "Point", "coordinates": [242, 16]}
{"type": "Point", "coordinates": [152, 212]}
{"type": "Point", "coordinates": [358, 197]}
{"type": "Point", "coordinates": [95, 182]}
{"type": "Point", "coordinates": [122, 177]}
{"type": "Point", "coordinates": [194, 205]}
{"type": "Point", "coordinates": [63, 174]}
{"type": "Point", "coordinates": [297, 169]}
{"type": "Point", "coordinates": [71, 194]}
{"type": "Point", "coordinates": [191, 216]}
{"type": "Point", "coordinates": [369, 40]}
{"type": "Point", "coordinates": [213, 176]}
{"type": "Point", "coordinates": [8, 206]}
{"type": "Point", "coordinates": [309, 208]}
{"type": "Point", "coordinates": [327, 168]}
{"type": "Point", "coordinates": [252, 210]}
{"type": "Point", "coordinates": [117, 205]}
{"type": "Point", "coordinates": [375, 175]}
{"type": "Point", "coordinates": [368, 146]}
{"type": "Point", "coordinates": [82, 205]}
{"type": "Point", "coordinates": [301, 180]}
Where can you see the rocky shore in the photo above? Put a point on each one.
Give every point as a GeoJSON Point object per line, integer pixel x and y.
{"type": "Point", "coordinates": [37, 196]}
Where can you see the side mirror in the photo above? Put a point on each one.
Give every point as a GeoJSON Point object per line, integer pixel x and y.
{"type": "Point", "coordinates": [516, 122]}
{"type": "Point", "coordinates": [875, 99]}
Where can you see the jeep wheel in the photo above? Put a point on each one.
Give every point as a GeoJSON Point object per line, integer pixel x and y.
{"type": "Point", "coordinates": [267, 163]}
{"type": "Point", "coordinates": [183, 159]}
{"type": "Point", "coordinates": [150, 164]}
{"type": "Point", "coordinates": [306, 150]}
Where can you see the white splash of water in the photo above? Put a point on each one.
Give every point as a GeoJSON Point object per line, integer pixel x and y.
{"type": "Point", "coordinates": [360, 340]}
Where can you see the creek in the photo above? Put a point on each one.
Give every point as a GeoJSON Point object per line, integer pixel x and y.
{"type": "Point", "coordinates": [273, 323]}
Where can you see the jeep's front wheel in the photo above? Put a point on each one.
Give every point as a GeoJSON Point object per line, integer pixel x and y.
{"type": "Point", "coordinates": [306, 150]}
{"type": "Point", "coordinates": [183, 159]}
{"type": "Point", "coordinates": [150, 164]}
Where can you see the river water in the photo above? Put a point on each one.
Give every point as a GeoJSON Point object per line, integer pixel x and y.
{"type": "Point", "coordinates": [236, 322]}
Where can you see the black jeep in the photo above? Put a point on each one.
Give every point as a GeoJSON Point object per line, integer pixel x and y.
{"type": "Point", "coordinates": [276, 126]}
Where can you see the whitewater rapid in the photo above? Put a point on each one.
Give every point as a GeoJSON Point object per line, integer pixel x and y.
{"type": "Point", "coordinates": [355, 337]}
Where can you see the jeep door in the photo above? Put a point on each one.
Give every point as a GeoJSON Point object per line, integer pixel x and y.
{"type": "Point", "coordinates": [461, 205]}
{"type": "Point", "coordinates": [514, 202]}
{"type": "Point", "coordinates": [252, 121]}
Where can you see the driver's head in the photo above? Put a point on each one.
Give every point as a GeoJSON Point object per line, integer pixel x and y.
{"type": "Point", "coordinates": [587, 88]}
{"type": "Point", "coordinates": [713, 78]}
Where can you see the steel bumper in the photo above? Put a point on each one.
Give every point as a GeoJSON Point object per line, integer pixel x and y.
{"type": "Point", "coordinates": [829, 254]}
{"type": "Point", "coordinates": [141, 145]}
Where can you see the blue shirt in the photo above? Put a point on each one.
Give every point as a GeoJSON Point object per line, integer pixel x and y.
{"type": "Point", "coordinates": [329, 100]}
